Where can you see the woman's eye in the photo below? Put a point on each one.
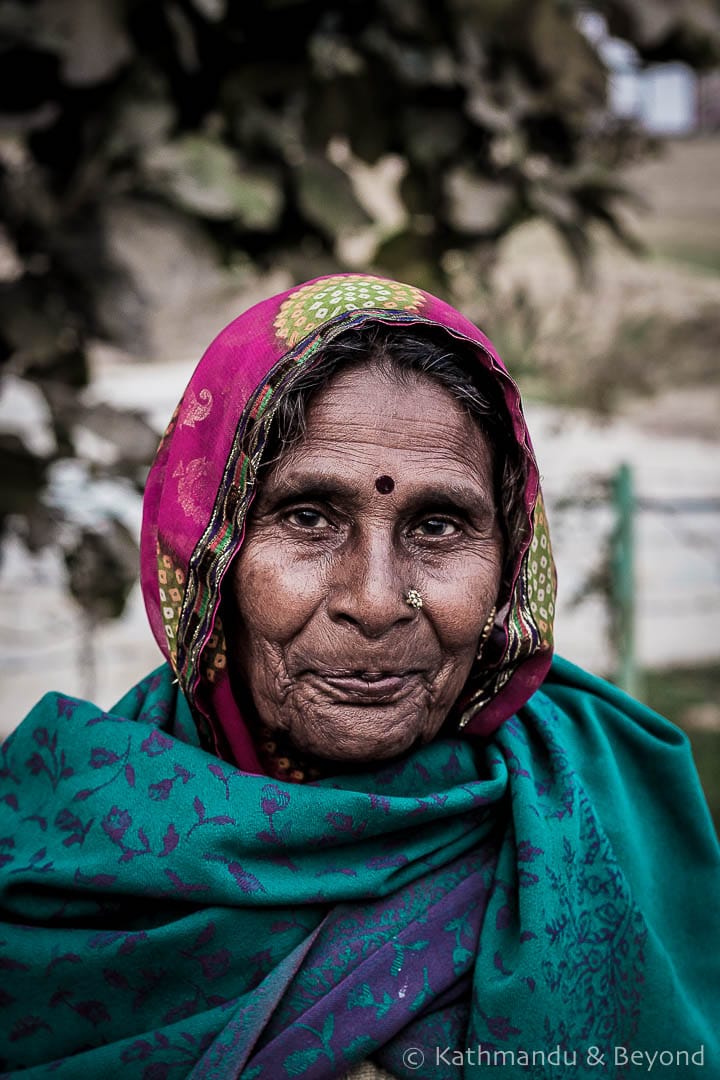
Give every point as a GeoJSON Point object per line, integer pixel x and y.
{"type": "Point", "coordinates": [308, 519]}
{"type": "Point", "coordinates": [436, 527]}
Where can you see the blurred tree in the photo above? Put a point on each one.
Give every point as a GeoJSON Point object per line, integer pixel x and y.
{"type": "Point", "coordinates": [250, 124]}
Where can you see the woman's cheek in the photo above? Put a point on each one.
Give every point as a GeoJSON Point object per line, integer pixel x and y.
{"type": "Point", "coordinates": [460, 605]}
{"type": "Point", "coordinates": [276, 592]}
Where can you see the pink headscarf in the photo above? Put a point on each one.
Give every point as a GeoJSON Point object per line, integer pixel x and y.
{"type": "Point", "coordinates": [202, 483]}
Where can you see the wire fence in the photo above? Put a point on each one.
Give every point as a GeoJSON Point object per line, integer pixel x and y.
{"type": "Point", "coordinates": [652, 558]}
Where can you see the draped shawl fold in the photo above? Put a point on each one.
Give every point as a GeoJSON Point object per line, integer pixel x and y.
{"type": "Point", "coordinates": [542, 890]}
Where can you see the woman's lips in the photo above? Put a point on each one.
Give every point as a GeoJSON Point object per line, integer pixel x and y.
{"type": "Point", "coordinates": [366, 686]}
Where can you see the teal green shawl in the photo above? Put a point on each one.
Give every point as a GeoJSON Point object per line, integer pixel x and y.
{"type": "Point", "coordinates": [550, 896]}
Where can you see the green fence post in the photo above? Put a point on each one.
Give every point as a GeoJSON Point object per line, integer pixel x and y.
{"type": "Point", "coordinates": [622, 579]}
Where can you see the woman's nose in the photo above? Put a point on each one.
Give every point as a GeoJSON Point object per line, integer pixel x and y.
{"type": "Point", "coordinates": [369, 587]}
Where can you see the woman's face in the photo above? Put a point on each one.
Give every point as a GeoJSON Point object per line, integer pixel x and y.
{"type": "Point", "coordinates": [390, 489]}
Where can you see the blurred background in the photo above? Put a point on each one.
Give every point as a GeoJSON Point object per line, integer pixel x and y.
{"type": "Point", "coordinates": [551, 167]}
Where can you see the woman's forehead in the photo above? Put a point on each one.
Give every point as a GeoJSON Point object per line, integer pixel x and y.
{"type": "Point", "coordinates": [374, 395]}
{"type": "Point", "coordinates": [365, 424]}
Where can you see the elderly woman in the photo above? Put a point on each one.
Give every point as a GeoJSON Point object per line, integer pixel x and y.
{"type": "Point", "coordinates": [357, 824]}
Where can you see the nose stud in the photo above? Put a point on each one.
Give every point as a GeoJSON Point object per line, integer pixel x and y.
{"type": "Point", "coordinates": [414, 599]}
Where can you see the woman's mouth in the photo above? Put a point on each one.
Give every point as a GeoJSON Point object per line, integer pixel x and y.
{"type": "Point", "coordinates": [361, 687]}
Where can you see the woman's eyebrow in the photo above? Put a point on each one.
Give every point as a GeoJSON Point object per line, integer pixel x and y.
{"type": "Point", "coordinates": [453, 498]}
{"type": "Point", "coordinates": [294, 487]}
{"type": "Point", "coordinates": [449, 496]}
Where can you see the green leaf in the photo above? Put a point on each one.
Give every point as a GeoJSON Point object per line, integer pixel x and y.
{"type": "Point", "coordinates": [432, 135]}
{"type": "Point", "coordinates": [410, 256]}
{"type": "Point", "coordinates": [325, 195]}
{"type": "Point", "coordinates": [141, 125]}
{"type": "Point", "coordinates": [204, 176]}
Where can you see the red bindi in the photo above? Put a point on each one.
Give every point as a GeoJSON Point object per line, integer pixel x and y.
{"type": "Point", "coordinates": [384, 484]}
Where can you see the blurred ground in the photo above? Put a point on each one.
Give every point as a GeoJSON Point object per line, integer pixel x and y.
{"type": "Point", "coordinates": [671, 438]}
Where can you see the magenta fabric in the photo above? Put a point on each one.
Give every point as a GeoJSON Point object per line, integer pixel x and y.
{"type": "Point", "coordinates": [200, 488]}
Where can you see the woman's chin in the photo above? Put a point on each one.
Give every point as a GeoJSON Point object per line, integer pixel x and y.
{"type": "Point", "coordinates": [375, 736]}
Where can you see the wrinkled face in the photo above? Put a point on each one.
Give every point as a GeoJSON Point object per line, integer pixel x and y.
{"type": "Point", "coordinates": [390, 490]}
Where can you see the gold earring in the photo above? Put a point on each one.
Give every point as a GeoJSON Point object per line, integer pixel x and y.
{"type": "Point", "coordinates": [486, 631]}
{"type": "Point", "coordinates": [414, 599]}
